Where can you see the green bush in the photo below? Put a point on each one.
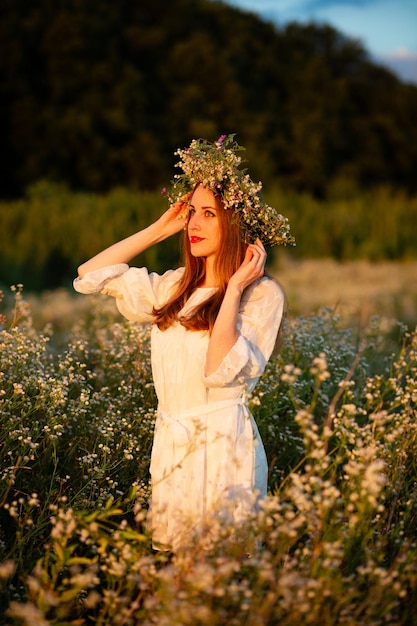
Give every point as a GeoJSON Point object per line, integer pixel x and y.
{"type": "Point", "coordinates": [50, 231]}
{"type": "Point", "coordinates": [333, 543]}
{"type": "Point", "coordinates": [374, 224]}
{"type": "Point", "coordinates": [47, 234]}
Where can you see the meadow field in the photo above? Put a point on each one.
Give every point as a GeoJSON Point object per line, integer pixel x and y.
{"type": "Point", "coordinates": [334, 543]}
{"type": "Point", "coordinates": [357, 290]}
{"type": "Point", "coordinates": [95, 98]}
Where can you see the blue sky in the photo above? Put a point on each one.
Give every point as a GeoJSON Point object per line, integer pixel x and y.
{"type": "Point", "coordinates": [386, 28]}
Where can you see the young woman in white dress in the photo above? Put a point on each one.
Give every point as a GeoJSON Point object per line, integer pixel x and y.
{"type": "Point", "coordinates": [215, 322]}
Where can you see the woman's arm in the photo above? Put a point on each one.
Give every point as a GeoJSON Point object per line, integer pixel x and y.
{"type": "Point", "coordinates": [225, 334]}
{"type": "Point", "coordinates": [171, 222]}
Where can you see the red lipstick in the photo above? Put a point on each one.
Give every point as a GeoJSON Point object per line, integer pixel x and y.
{"type": "Point", "coordinates": [195, 239]}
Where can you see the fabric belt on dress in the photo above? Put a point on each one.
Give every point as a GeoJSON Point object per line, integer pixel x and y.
{"type": "Point", "coordinates": [180, 432]}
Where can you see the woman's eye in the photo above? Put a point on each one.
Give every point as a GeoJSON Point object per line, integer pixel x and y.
{"type": "Point", "coordinates": [191, 212]}
{"type": "Point", "coordinates": [210, 214]}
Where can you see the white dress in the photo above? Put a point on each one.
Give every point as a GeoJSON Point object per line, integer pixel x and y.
{"type": "Point", "coordinates": [207, 458]}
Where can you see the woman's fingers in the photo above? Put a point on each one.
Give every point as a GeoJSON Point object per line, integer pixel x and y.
{"type": "Point", "coordinates": [181, 207]}
{"type": "Point", "coordinates": [252, 267]}
{"type": "Point", "coordinates": [254, 263]}
{"type": "Point", "coordinates": [257, 255]}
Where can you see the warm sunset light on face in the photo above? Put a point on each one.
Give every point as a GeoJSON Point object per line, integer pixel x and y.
{"type": "Point", "coordinates": [204, 226]}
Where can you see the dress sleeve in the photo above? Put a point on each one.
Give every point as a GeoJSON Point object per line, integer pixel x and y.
{"type": "Point", "coordinates": [136, 290]}
{"type": "Point", "coordinates": [259, 320]}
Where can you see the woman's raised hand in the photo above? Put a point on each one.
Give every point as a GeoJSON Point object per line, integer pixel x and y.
{"type": "Point", "coordinates": [175, 218]}
{"type": "Point", "coordinates": [171, 222]}
{"type": "Point", "coordinates": [253, 266]}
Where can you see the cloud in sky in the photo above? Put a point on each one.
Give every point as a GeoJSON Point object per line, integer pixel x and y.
{"type": "Point", "coordinates": [402, 62]}
{"type": "Point", "coordinates": [384, 27]}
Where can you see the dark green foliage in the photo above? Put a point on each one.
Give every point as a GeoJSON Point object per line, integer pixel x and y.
{"type": "Point", "coordinates": [100, 93]}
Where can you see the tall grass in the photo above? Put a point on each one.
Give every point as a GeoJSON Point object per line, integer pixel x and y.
{"type": "Point", "coordinates": [375, 224]}
{"type": "Point", "coordinates": [333, 544]}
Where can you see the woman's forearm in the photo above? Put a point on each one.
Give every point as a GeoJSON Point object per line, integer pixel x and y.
{"type": "Point", "coordinates": [171, 222]}
{"type": "Point", "coordinates": [123, 251]}
{"type": "Point", "coordinates": [224, 334]}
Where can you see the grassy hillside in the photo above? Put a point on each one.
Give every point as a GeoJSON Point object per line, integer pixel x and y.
{"type": "Point", "coordinates": [99, 94]}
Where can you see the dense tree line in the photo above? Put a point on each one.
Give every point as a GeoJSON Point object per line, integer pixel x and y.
{"type": "Point", "coordinates": [98, 93]}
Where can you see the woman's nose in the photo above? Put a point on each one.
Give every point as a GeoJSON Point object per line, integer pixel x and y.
{"type": "Point", "coordinates": [194, 222]}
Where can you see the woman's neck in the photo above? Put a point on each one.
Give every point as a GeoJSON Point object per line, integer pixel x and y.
{"type": "Point", "coordinates": [209, 279]}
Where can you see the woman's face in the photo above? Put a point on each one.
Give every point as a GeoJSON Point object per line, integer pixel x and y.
{"type": "Point", "coordinates": [204, 228]}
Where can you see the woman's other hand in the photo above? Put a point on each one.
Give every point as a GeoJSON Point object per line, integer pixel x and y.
{"type": "Point", "coordinates": [252, 268]}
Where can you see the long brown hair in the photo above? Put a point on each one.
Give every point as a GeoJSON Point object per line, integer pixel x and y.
{"type": "Point", "coordinates": [230, 257]}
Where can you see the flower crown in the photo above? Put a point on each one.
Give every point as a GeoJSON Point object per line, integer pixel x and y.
{"type": "Point", "coordinates": [217, 167]}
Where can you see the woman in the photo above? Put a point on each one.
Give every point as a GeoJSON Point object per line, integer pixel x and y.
{"type": "Point", "coordinates": [215, 322]}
